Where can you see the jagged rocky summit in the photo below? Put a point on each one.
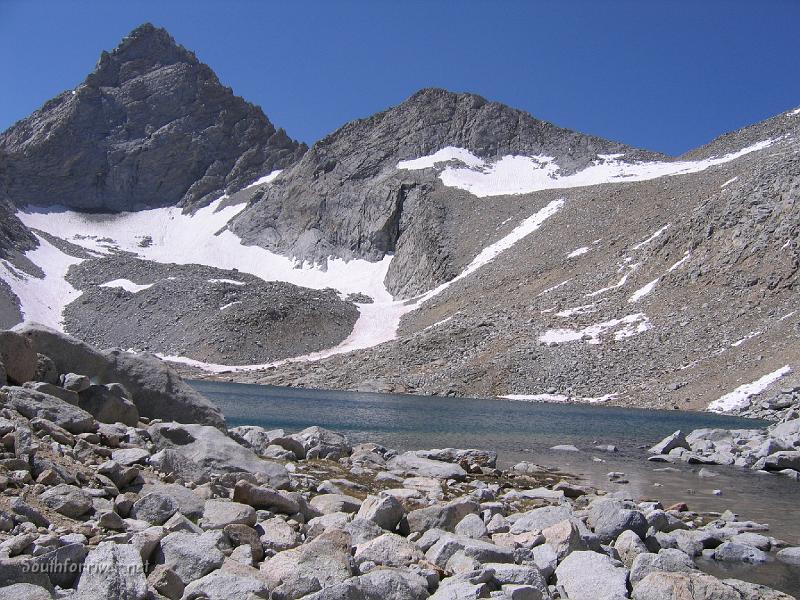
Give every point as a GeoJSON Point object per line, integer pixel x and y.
{"type": "Point", "coordinates": [104, 495]}
{"type": "Point", "coordinates": [150, 126]}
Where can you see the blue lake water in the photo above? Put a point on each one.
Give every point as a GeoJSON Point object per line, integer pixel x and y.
{"type": "Point", "coordinates": [526, 431]}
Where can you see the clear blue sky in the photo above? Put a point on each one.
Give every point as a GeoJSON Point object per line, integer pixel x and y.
{"type": "Point", "coordinates": [667, 76]}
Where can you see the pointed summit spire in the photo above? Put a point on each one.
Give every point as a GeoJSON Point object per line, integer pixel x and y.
{"type": "Point", "coordinates": [145, 47]}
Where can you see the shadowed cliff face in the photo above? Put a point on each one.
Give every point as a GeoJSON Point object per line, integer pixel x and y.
{"type": "Point", "coordinates": [150, 126]}
{"type": "Point", "coordinates": [346, 197]}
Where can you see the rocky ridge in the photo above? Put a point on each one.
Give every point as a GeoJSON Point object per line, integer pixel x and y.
{"type": "Point", "coordinates": [150, 126]}
{"type": "Point", "coordinates": [98, 500]}
{"type": "Point", "coordinates": [346, 196]}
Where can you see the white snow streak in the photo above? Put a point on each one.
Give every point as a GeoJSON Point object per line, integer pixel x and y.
{"type": "Point", "coordinates": [127, 285]}
{"type": "Point", "coordinates": [378, 322]}
{"type": "Point", "coordinates": [558, 398]}
{"type": "Point", "coordinates": [680, 263]}
{"type": "Point", "coordinates": [526, 174]}
{"type": "Point", "coordinates": [446, 154]}
{"type": "Point", "coordinates": [739, 398]}
{"type": "Point", "coordinates": [578, 310]}
{"type": "Point", "coordinates": [578, 252]}
{"type": "Point", "coordinates": [643, 291]}
{"type": "Point", "coordinates": [269, 178]}
{"type": "Point", "coordinates": [230, 281]}
{"type": "Point", "coordinates": [43, 300]}
{"type": "Point", "coordinates": [749, 336]}
{"type": "Point", "coordinates": [625, 327]}
{"type": "Point", "coordinates": [727, 183]}
{"type": "Point", "coordinates": [651, 238]}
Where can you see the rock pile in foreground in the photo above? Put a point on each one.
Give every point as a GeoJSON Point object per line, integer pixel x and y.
{"type": "Point", "coordinates": [103, 497]}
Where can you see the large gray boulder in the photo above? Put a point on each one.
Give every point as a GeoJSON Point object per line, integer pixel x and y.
{"type": "Point", "coordinates": [442, 516]}
{"type": "Point", "coordinates": [790, 556]}
{"type": "Point", "coordinates": [265, 498]}
{"type": "Point", "coordinates": [228, 583]}
{"type": "Point", "coordinates": [107, 406]}
{"type": "Point", "coordinates": [411, 464]}
{"type": "Point", "coordinates": [18, 356]}
{"type": "Point", "coordinates": [28, 591]}
{"type": "Point", "coordinates": [662, 585]}
{"type": "Point", "coordinates": [482, 551]}
{"type": "Point", "coordinates": [189, 503]}
{"type": "Point", "coordinates": [672, 441]}
{"type": "Point", "coordinates": [67, 500]}
{"type": "Point", "coordinates": [740, 553]}
{"type": "Point", "coordinates": [610, 517]}
{"type": "Point", "coordinates": [321, 563]}
{"type": "Point", "coordinates": [220, 513]}
{"type": "Point", "coordinates": [189, 555]}
{"type": "Point", "coordinates": [318, 442]}
{"type": "Point", "coordinates": [378, 584]}
{"type": "Point", "coordinates": [786, 459]}
{"type": "Point", "coordinates": [157, 391]}
{"type": "Point", "coordinates": [668, 559]}
{"type": "Point", "coordinates": [32, 404]}
{"type": "Point", "coordinates": [385, 511]}
{"type": "Point", "coordinates": [112, 571]}
{"type": "Point", "coordinates": [154, 508]}
{"type": "Point", "coordinates": [539, 519]}
{"type": "Point", "coordinates": [208, 449]}
{"type": "Point", "coordinates": [589, 575]}
{"type": "Point", "coordinates": [389, 550]}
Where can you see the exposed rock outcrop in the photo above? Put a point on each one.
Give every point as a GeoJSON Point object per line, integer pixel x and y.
{"type": "Point", "coordinates": [150, 126]}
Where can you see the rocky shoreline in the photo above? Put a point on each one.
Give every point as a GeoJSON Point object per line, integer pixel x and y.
{"type": "Point", "coordinates": [117, 480]}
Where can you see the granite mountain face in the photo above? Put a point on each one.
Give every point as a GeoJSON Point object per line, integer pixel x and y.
{"type": "Point", "coordinates": [449, 245]}
{"type": "Point", "coordinates": [151, 126]}
{"type": "Point", "coordinates": [347, 196]}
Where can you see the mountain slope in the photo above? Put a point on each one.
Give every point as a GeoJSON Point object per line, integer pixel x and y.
{"type": "Point", "coordinates": [349, 197]}
{"type": "Point", "coordinates": [668, 291]}
{"type": "Point", "coordinates": [150, 126]}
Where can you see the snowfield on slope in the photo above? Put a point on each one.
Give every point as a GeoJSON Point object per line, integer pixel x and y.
{"type": "Point", "coordinates": [379, 322]}
{"type": "Point", "coordinates": [511, 174]}
{"type": "Point", "coordinates": [43, 299]}
{"type": "Point", "coordinates": [740, 397]}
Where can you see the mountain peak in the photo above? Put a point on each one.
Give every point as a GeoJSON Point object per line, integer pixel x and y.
{"type": "Point", "coordinates": [143, 49]}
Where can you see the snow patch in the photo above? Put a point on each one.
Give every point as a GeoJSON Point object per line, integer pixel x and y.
{"type": "Point", "coordinates": [680, 263]}
{"type": "Point", "coordinates": [223, 307]}
{"type": "Point", "coordinates": [127, 285]}
{"type": "Point", "coordinates": [446, 154]}
{"type": "Point", "coordinates": [525, 174]}
{"type": "Point", "coordinates": [623, 280]}
{"type": "Point", "coordinates": [623, 328]}
{"type": "Point", "coordinates": [727, 183]}
{"type": "Point", "coordinates": [739, 398]}
{"type": "Point", "coordinates": [559, 398]}
{"type": "Point", "coordinates": [651, 238]}
{"type": "Point", "coordinates": [378, 322]}
{"type": "Point", "coordinates": [643, 291]}
{"type": "Point", "coordinates": [269, 178]}
{"type": "Point", "coordinates": [578, 252]}
{"type": "Point", "coordinates": [578, 310]}
{"type": "Point", "coordinates": [43, 300]}
{"type": "Point", "coordinates": [230, 281]}
{"type": "Point", "coordinates": [749, 336]}
{"type": "Point", "coordinates": [555, 287]}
